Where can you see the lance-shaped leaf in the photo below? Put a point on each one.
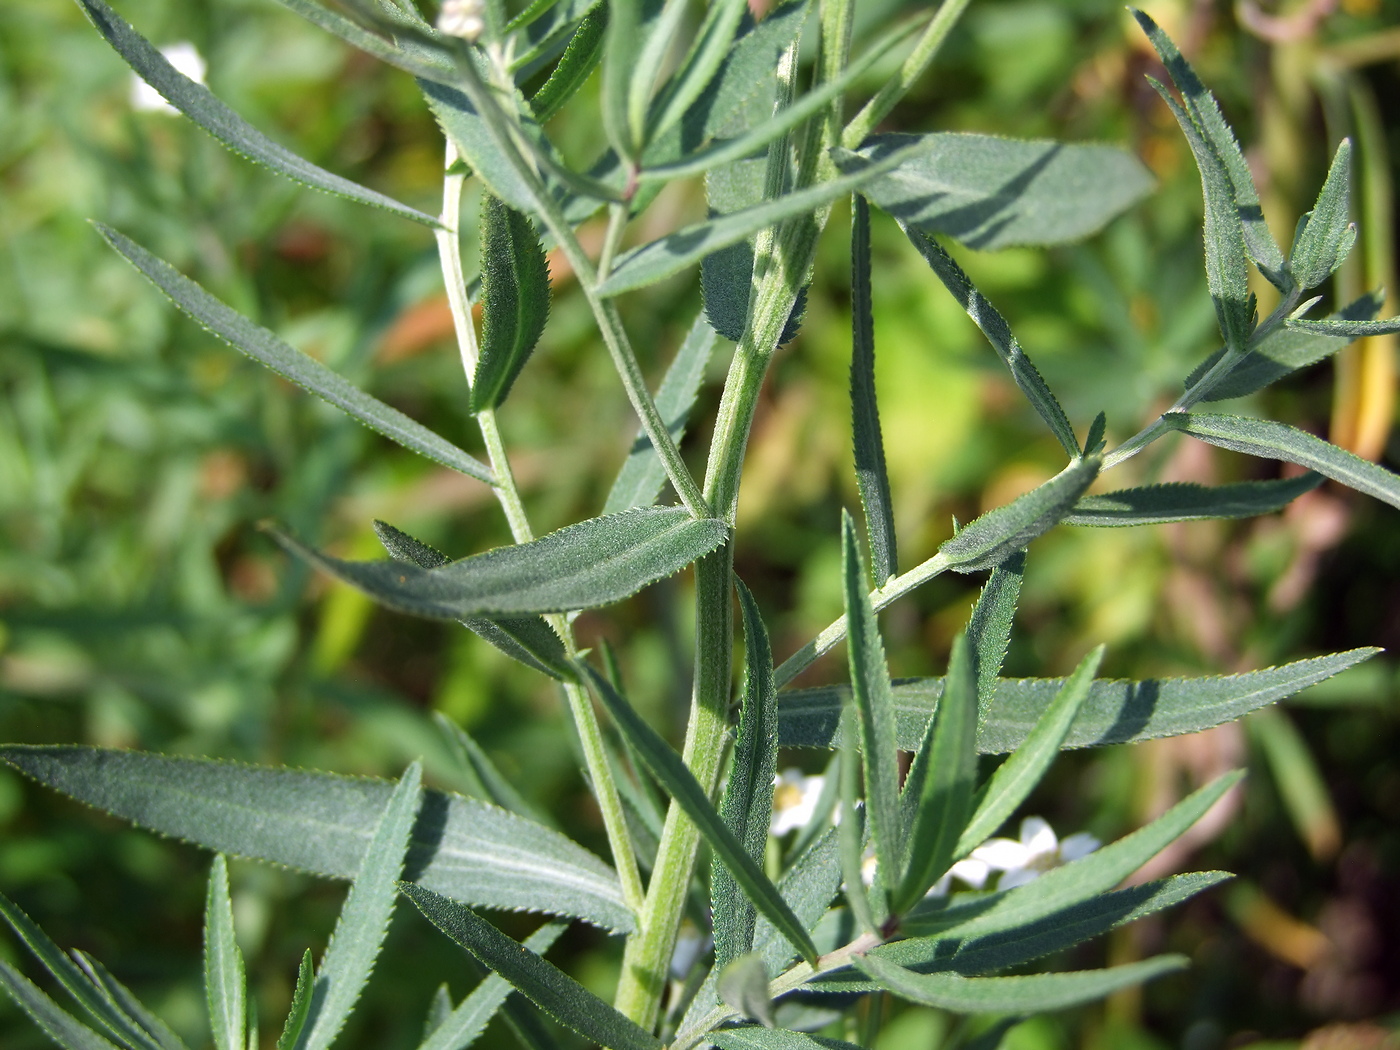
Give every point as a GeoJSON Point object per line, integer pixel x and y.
{"type": "Point", "coordinates": [1018, 775]}
{"type": "Point", "coordinates": [1205, 115]}
{"type": "Point", "coordinates": [871, 475]}
{"type": "Point", "coordinates": [300, 1010]}
{"type": "Point", "coordinates": [715, 40]}
{"type": "Point", "coordinates": [680, 783]}
{"type": "Point", "coordinates": [1264, 437]}
{"type": "Point", "coordinates": [321, 823]}
{"type": "Point", "coordinates": [291, 364]}
{"type": "Point", "coordinates": [460, 1027]}
{"type": "Point", "coordinates": [941, 782]}
{"type": "Point", "coordinates": [991, 192]}
{"type": "Point", "coordinates": [989, 629]}
{"type": "Point", "coordinates": [544, 984]}
{"type": "Point", "coordinates": [583, 566]}
{"type": "Point", "coordinates": [1326, 234]}
{"type": "Point", "coordinates": [747, 1038]}
{"type": "Point", "coordinates": [1021, 995]}
{"type": "Point", "coordinates": [639, 481]}
{"type": "Point", "coordinates": [747, 806]}
{"type": "Point", "coordinates": [487, 781]}
{"type": "Point", "coordinates": [874, 706]}
{"type": "Point", "coordinates": [1186, 501]}
{"type": "Point", "coordinates": [670, 254]}
{"type": "Point", "coordinates": [1115, 712]}
{"type": "Point", "coordinates": [525, 638]}
{"type": "Point", "coordinates": [364, 918]}
{"type": "Point", "coordinates": [547, 25]}
{"type": "Point", "coordinates": [986, 542]}
{"type": "Point", "coordinates": [743, 987]}
{"type": "Point", "coordinates": [1287, 349]}
{"type": "Point", "coordinates": [1349, 329]}
{"type": "Point", "coordinates": [514, 300]}
{"type": "Point", "coordinates": [998, 333]}
{"type": "Point", "coordinates": [121, 998]}
{"type": "Point", "coordinates": [461, 123]}
{"type": "Point", "coordinates": [225, 985]}
{"type": "Point", "coordinates": [59, 1025]}
{"type": "Point", "coordinates": [580, 58]}
{"type": "Point", "coordinates": [200, 104]}
{"type": "Point", "coordinates": [808, 885]}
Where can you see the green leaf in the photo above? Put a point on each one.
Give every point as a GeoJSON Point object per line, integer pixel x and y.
{"type": "Point", "coordinates": [998, 333]}
{"type": "Point", "coordinates": [990, 192]}
{"type": "Point", "coordinates": [989, 630]}
{"type": "Point", "coordinates": [580, 58]}
{"type": "Point", "coordinates": [59, 1025]}
{"type": "Point", "coordinates": [1348, 329]}
{"type": "Point", "coordinates": [1205, 116]}
{"type": "Point", "coordinates": [549, 988]}
{"type": "Point", "coordinates": [514, 298]}
{"type": "Point", "coordinates": [871, 475]}
{"type": "Point", "coordinates": [808, 885]}
{"type": "Point", "coordinates": [460, 1028]}
{"type": "Point", "coordinates": [941, 782]}
{"type": "Point", "coordinates": [678, 782]}
{"type": "Point", "coordinates": [747, 806]}
{"type": "Point", "coordinates": [1021, 995]}
{"type": "Point", "coordinates": [639, 481]}
{"type": "Point", "coordinates": [1115, 712]}
{"type": "Point", "coordinates": [747, 1038]}
{"type": "Point", "coordinates": [199, 104]}
{"type": "Point", "coordinates": [1325, 234]}
{"type": "Point", "coordinates": [1286, 349]}
{"type": "Point", "coordinates": [659, 259]}
{"type": "Point", "coordinates": [874, 704]}
{"type": "Point", "coordinates": [291, 364]}
{"type": "Point", "coordinates": [461, 123]}
{"type": "Point", "coordinates": [528, 639]}
{"type": "Point", "coordinates": [122, 999]}
{"type": "Point", "coordinates": [743, 987]}
{"type": "Point", "coordinates": [435, 63]}
{"type": "Point", "coordinates": [225, 984]}
{"type": "Point", "coordinates": [713, 42]}
{"type": "Point", "coordinates": [300, 1010]}
{"type": "Point", "coordinates": [1186, 501]}
{"type": "Point", "coordinates": [852, 833]}
{"type": "Point", "coordinates": [364, 919]}
{"type": "Point", "coordinates": [596, 562]}
{"type": "Point", "coordinates": [1018, 775]}
{"type": "Point", "coordinates": [997, 535]}
{"type": "Point", "coordinates": [544, 36]}
{"type": "Point", "coordinates": [321, 823]}
{"type": "Point", "coordinates": [1264, 437]}
{"type": "Point", "coordinates": [488, 782]}
{"type": "Point", "coordinates": [621, 44]}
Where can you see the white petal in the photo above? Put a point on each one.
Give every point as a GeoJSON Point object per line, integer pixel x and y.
{"type": "Point", "coordinates": [1038, 836]}
{"type": "Point", "coordinates": [972, 871]}
{"type": "Point", "coordinates": [1002, 854]}
{"type": "Point", "coordinates": [940, 888]}
{"type": "Point", "coordinates": [1011, 879]}
{"type": "Point", "coordinates": [1080, 844]}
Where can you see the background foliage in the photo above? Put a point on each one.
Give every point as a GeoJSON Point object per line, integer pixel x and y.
{"type": "Point", "coordinates": [139, 606]}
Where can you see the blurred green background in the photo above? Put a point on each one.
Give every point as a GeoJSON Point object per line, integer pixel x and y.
{"type": "Point", "coordinates": [140, 607]}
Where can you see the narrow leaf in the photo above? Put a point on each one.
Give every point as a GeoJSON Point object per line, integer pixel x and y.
{"type": "Point", "coordinates": [300, 1009]}
{"type": "Point", "coordinates": [1348, 329]}
{"type": "Point", "coordinates": [528, 639]}
{"type": "Point", "coordinates": [1021, 995]}
{"type": "Point", "coordinates": [1185, 501]}
{"type": "Point", "coordinates": [200, 104]}
{"type": "Point", "coordinates": [490, 784]}
{"type": "Point", "coordinates": [548, 987]}
{"type": "Point", "coordinates": [1264, 437]}
{"type": "Point", "coordinates": [59, 1025]}
{"type": "Point", "coordinates": [852, 833]}
{"type": "Point", "coordinates": [990, 192]}
{"type": "Point", "coordinates": [620, 48]}
{"type": "Point", "coordinates": [989, 630]}
{"type": "Point", "coordinates": [1018, 775]}
{"type": "Point", "coordinates": [291, 364]}
{"type": "Point", "coordinates": [941, 791]}
{"type": "Point", "coordinates": [808, 885]}
{"type": "Point", "coordinates": [514, 300]}
{"type": "Point", "coordinates": [580, 58]}
{"type": "Point", "coordinates": [998, 333]}
{"type": "Point", "coordinates": [150, 1027]}
{"type": "Point", "coordinates": [321, 823]}
{"type": "Point", "coordinates": [743, 987]}
{"type": "Point", "coordinates": [1115, 712]}
{"type": "Point", "coordinates": [678, 782]}
{"type": "Point", "coordinates": [997, 535]}
{"type": "Point", "coordinates": [874, 704]}
{"type": "Point", "coordinates": [593, 563]}
{"type": "Point", "coordinates": [1325, 234]}
{"type": "Point", "coordinates": [715, 39]}
{"type": "Point", "coordinates": [747, 1038]}
{"type": "Point", "coordinates": [747, 806]}
{"type": "Point", "coordinates": [871, 475]}
{"type": "Point", "coordinates": [460, 1028]}
{"type": "Point", "coordinates": [225, 984]}
{"type": "Point", "coordinates": [639, 481]}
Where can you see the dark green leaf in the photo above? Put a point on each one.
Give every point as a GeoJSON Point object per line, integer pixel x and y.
{"type": "Point", "coordinates": [488, 782]}
{"type": "Point", "coordinates": [743, 987]}
{"type": "Point", "coordinates": [1264, 437]}
{"type": "Point", "coordinates": [998, 333]}
{"type": "Point", "coordinates": [747, 806]}
{"type": "Point", "coordinates": [321, 823]}
{"type": "Point", "coordinates": [548, 987]}
{"type": "Point", "coordinates": [871, 475]}
{"type": "Point", "coordinates": [1348, 329]}
{"type": "Point", "coordinates": [678, 782]}
{"type": "Point", "coordinates": [1325, 234]}
{"type": "Point", "coordinates": [991, 192]}
{"type": "Point", "coordinates": [514, 300]}
{"type": "Point", "coordinates": [122, 999]}
{"type": "Point", "coordinates": [989, 630]}
{"type": "Point", "coordinates": [1186, 501]}
{"type": "Point", "coordinates": [1115, 712]}
{"type": "Point", "coordinates": [290, 363]}
{"type": "Point", "coordinates": [300, 1009]}
{"type": "Point", "coordinates": [593, 563]}
{"type": "Point", "coordinates": [56, 1023]}
{"type": "Point", "coordinates": [1021, 995]}
{"type": "Point", "coordinates": [713, 42]}
{"type": "Point", "coordinates": [808, 885]}
{"type": "Point", "coordinates": [225, 985]}
{"type": "Point", "coordinates": [747, 1038]}
{"type": "Point", "coordinates": [580, 58]}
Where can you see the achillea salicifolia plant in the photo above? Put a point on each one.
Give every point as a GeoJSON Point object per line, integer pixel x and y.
{"type": "Point", "coordinates": [730, 102]}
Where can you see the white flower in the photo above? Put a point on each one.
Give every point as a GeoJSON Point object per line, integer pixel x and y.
{"type": "Point", "coordinates": [186, 59]}
{"type": "Point", "coordinates": [1019, 862]}
{"type": "Point", "coordinates": [462, 18]}
{"type": "Point", "coordinates": [795, 798]}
